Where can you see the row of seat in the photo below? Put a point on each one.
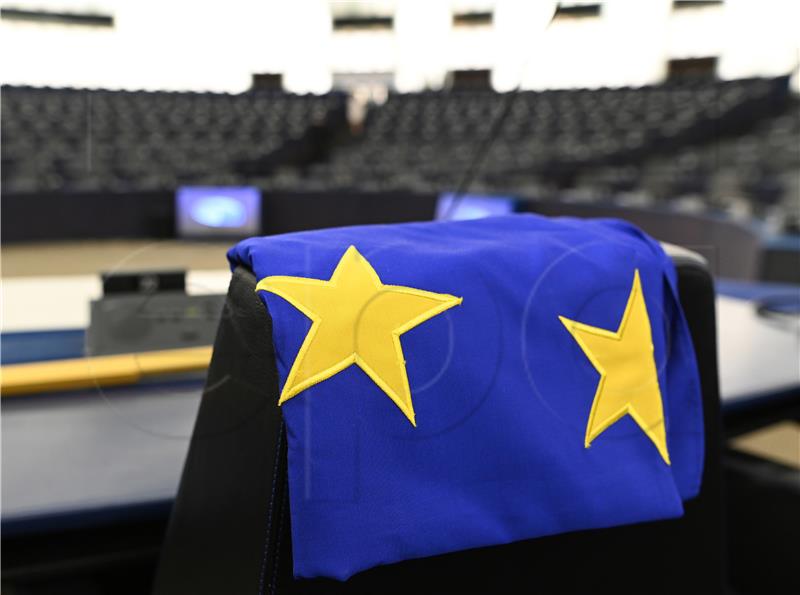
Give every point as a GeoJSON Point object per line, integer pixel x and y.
{"type": "Point", "coordinates": [543, 133]}
{"type": "Point", "coordinates": [728, 145]}
{"type": "Point", "coordinates": [95, 140]}
{"type": "Point", "coordinates": [756, 172]}
{"type": "Point", "coordinates": [723, 140]}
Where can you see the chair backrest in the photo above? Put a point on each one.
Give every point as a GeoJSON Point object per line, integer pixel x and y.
{"type": "Point", "coordinates": [229, 530]}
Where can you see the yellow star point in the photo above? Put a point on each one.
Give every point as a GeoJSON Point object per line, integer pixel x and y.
{"type": "Point", "coordinates": [628, 378]}
{"type": "Point", "coordinates": [356, 319]}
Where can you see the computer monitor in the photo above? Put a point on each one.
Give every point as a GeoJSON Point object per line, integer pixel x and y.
{"type": "Point", "coordinates": [450, 207]}
{"type": "Point", "coordinates": [217, 211]}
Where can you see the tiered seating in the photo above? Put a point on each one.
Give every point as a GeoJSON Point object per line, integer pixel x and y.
{"type": "Point", "coordinates": [718, 144]}
{"type": "Point", "coordinates": [757, 171]}
{"type": "Point", "coordinates": [90, 140]}
{"type": "Point", "coordinates": [413, 142]}
{"type": "Point", "coordinates": [428, 140]}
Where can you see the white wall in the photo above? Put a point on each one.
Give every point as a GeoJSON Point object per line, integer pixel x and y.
{"type": "Point", "coordinates": [210, 45]}
{"type": "Point", "coordinates": [174, 45]}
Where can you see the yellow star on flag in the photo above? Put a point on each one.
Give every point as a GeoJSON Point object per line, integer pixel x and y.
{"type": "Point", "coordinates": [628, 378]}
{"type": "Point", "coordinates": [356, 320]}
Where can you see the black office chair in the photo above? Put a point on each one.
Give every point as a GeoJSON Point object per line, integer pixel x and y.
{"type": "Point", "coordinates": [229, 531]}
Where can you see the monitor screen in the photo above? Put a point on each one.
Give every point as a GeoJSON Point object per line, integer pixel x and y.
{"type": "Point", "coordinates": [450, 207]}
{"type": "Point", "coordinates": [217, 211]}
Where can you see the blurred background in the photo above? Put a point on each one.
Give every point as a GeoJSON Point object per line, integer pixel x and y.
{"type": "Point", "coordinates": [678, 111]}
{"type": "Point", "coordinates": [141, 139]}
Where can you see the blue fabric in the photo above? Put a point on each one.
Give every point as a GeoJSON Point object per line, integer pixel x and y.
{"type": "Point", "coordinates": [38, 346]}
{"type": "Point", "coordinates": [501, 390]}
{"type": "Point", "coordinates": [786, 294]}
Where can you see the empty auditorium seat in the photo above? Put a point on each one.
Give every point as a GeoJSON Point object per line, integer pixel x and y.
{"type": "Point", "coordinates": [548, 136]}
{"type": "Point", "coordinates": [116, 141]}
{"type": "Point", "coordinates": [720, 144]}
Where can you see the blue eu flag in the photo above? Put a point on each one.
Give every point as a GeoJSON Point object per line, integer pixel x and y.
{"type": "Point", "coordinates": [461, 384]}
